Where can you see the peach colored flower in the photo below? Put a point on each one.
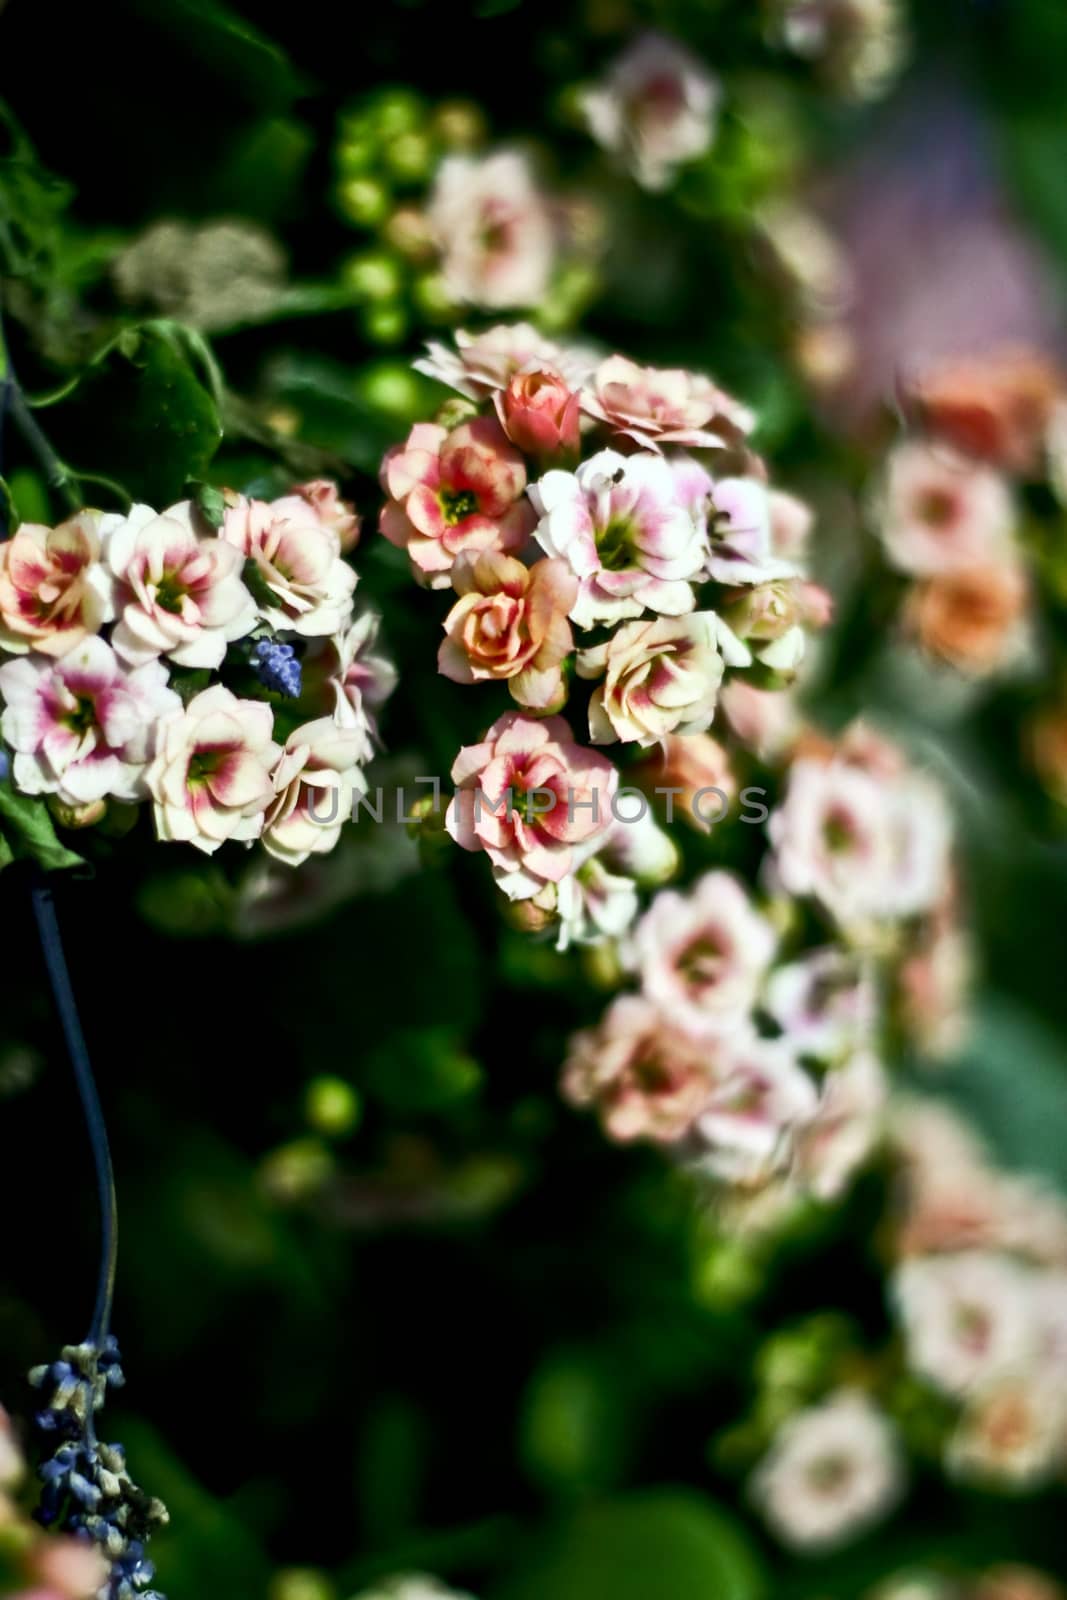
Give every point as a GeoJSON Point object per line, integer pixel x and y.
{"type": "Point", "coordinates": [660, 676]}
{"type": "Point", "coordinates": [211, 779]}
{"type": "Point", "coordinates": [83, 727]}
{"type": "Point", "coordinates": [701, 956]}
{"type": "Point", "coordinates": [618, 523]}
{"type": "Point", "coordinates": [494, 229]}
{"type": "Point", "coordinates": [692, 766]}
{"type": "Point", "coordinates": [454, 492]}
{"type": "Point", "coordinates": [70, 1569]}
{"type": "Point", "coordinates": [315, 783]}
{"type": "Point", "coordinates": [483, 363]}
{"type": "Point", "coordinates": [996, 407]}
{"type": "Point", "coordinates": [940, 512]}
{"type": "Point", "coordinates": [510, 624]}
{"type": "Point", "coordinates": [48, 598]}
{"type": "Point", "coordinates": [974, 619]}
{"type": "Point", "coordinates": [302, 582]}
{"type": "Point", "coordinates": [646, 1078]}
{"type": "Point", "coordinates": [656, 108]}
{"type": "Point", "coordinates": [654, 407]}
{"type": "Point", "coordinates": [322, 497]}
{"type": "Point", "coordinates": [176, 592]}
{"type": "Point", "coordinates": [765, 720]}
{"type": "Point", "coordinates": [528, 795]}
{"type": "Point", "coordinates": [540, 414]}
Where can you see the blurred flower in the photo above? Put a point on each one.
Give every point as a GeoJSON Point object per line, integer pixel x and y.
{"type": "Point", "coordinates": [934, 981]}
{"type": "Point", "coordinates": [975, 620]}
{"type": "Point", "coordinates": [941, 513]}
{"type": "Point", "coordinates": [315, 782]}
{"type": "Point", "coordinates": [413, 1587]}
{"type": "Point", "coordinates": [860, 43]}
{"type": "Point", "coordinates": [83, 727]}
{"type": "Point", "coordinates": [660, 677]}
{"type": "Point", "coordinates": [647, 1078]}
{"type": "Point", "coordinates": [652, 406]}
{"type": "Point", "coordinates": [484, 363]}
{"type": "Point", "coordinates": [47, 601]}
{"type": "Point", "coordinates": [868, 844]}
{"type": "Point", "coordinates": [454, 492]}
{"type": "Point", "coordinates": [765, 720]}
{"type": "Point", "coordinates": [212, 275]}
{"type": "Point", "coordinates": [824, 1003]}
{"type": "Point", "coordinates": [510, 623]}
{"type": "Point", "coordinates": [629, 542]}
{"type": "Point", "coordinates": [744, 518]}
{"type": "Point", "coordinates": [966, 1317]}
{"type": "Point", "coordinates": [831, 1473]}
{"type": "Point", "coordinates": [594, 903]}
{"type": "Point", "coordinates": [701, 956]}
{"type": "Point", "coordinates": [688, 764]}
{"type": "Point", "coordinates": [176, 593]}
{"type": "Point", "coordinates": [494, 229]}
{"type": "Point", "coordinates": [759, 1097]}
{"type": "Point", "coordinates": [211, 777]}
{"type": "Point", "coordinates": [12, 1461]}
{"type": "Point", "coordinates": [834, 1143]}
{"type": "Point", "coordinates": [997, 407]}
{"type": "Point", "coordinates": [528, 795]}
{"type": "Point", "coordinates": [1013, 1432]}
{"type": "Point", "coordinates": [302, 582]}
{"type": "Point", "coordinates": [656, 108]}
{"type": "Point", "coordinates": [322, 497]}
{"type": "Point", "coordinates": [540, 414]}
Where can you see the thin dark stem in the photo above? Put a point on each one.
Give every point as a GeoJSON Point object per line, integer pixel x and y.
{"type": "Point", "coordinates": [59, 477]}
{"type": "Point", "coordinates": [44, 910]}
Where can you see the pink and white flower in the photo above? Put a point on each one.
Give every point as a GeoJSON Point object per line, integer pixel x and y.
{"type": "Point", "coordinates": [617, 522]}
{"type": "Point", "coordinates": [661, 676]}
{"type": "Point", "coordinates": [967, 1318]}
{"type": "Point", "coordinates": [765, 720]}
{"type": "Point", "coordinates": [485, 363]}
{"type": "Point", "coordinates": [211, 779]}
{"type": "Point", "coordinates": [593, 903]}
{"type": "Point", "coordinates": [656, 108]}
{"type": "Point", "coordinates": [846, 1127]}
{"type": "Point", "coordinates": [759, 1099]}
{"type": "Point", "coordinates": [302, 582]}
{"type": "Point", "coordinates": [942, 513]}
{"type": "Point", "coordinates": [176, 592]}
{"type": "Point", "coordinates": [824, 1003]}
{"type": "Point", "coordinates": [451, 493]}
{"type": "Point", "coordinates": [321, 496]}
{"type": "Point", "coordinates": [49, 600]}
{"type": "Point", "coordinates": [528, 796]}
{"type": "Point", "coordinates": [646, 1077]}
{"type": "Point", "coordinates": [510, 625]}
{"type": "Point", "coordinates": [701, 956]}
{"type": "Point", "coordinates": [494, 229]}
{"type": "Point", "coordinates": [654, 406]}
{"type": "Point", "coordinates": [358, 679]}
{"type": "Point", "coordinates": [741, 534]}
{"type": "Point", "coordinates": [83, 727]}
{"type": "Point", "coordinates": [831, 1472]}
{"type": "Point", "coordinates": [315, 783]}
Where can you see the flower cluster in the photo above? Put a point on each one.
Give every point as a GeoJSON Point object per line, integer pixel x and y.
{"type": "Point", "coordinates": [599, 524]}
{"type": "Point", "coordinates": [87, 1490]}
{"type": "Point", "coordinates": [204, 659]}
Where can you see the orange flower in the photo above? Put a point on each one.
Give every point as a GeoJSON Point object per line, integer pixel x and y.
{"type": "Point", "coordinates": [972, 619]}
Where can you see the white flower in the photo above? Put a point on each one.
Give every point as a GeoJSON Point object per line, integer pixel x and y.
{"type": "Point", "coordinates": [661, 676]}
{"type": "Point", "coordinates": [760, 1097]}
{"type": "Point", "coordinates": [967, 1317]}
{"type": "Point", "coordinates": [941, 512]}
{"type": "Point", "coordinates": [1013, 1432]}
{"type": "Point", "coordinates": [701, 956]}
{"type": "Point", "coordinates": [211, 776]}
{"type": "Point", "coordinates": [176, 592]}
{"type": "Point", "coordinates": [618, 524]}
{"type": "Point", "coordinates": [84, 726]}
{"type": "Point", "coordinates": [824, 1003]}
{"type": "Point", "coordinates": [741, 533]}
{"type": "Point", "coordinates": [656, 108]}
{"type": "Point", "coordinates": [831, 1472]}
{"type": "Point", "coordinates": [360, 679]}
{"type": "Point", "coordinates": [315, 783]}
{"type": "Point", "coordinates": [483, 363]}
{"type": "Point", "coordinates": [494, 229]}
{"type": "Point", "coordinates": [302, 582]}
{"type": "Point", "coordinates": [837, 1140]}
{"type": "Point", "coordinates": [594, 904]}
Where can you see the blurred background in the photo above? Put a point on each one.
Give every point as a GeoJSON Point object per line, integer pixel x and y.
{"type": "Point", "coordinates": [386, 1304]}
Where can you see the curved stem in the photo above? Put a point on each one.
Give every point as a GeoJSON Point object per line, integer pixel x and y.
{"type": "Point", "coordinates": [57, 474]}
{"type": "Point", "coordinates": [44, 910]}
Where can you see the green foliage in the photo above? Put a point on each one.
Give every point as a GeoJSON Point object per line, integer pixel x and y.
{"type": "Point", "coordinates": [27, 832]}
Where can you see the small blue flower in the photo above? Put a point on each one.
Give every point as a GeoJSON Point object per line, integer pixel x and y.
{"type": "Point", "coordinates": [277, 667]}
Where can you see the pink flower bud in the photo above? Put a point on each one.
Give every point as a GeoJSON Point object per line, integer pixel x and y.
{"type": "Point", "coordinates": [540, 414]}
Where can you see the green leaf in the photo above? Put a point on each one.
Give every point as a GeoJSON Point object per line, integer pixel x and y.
{"type": "Point", "coordinates": [645, 1546]}
{"type": "Point", "coordinates": [246, 61]}
{"type": "Point", "coordinates": [9, 511]}
{"type": "Point", "coordinates": [209, 501]}
{"type": "Point", "coordinates": [28, 832]}
{"type": "Point", "coordinates": [144, 411]}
